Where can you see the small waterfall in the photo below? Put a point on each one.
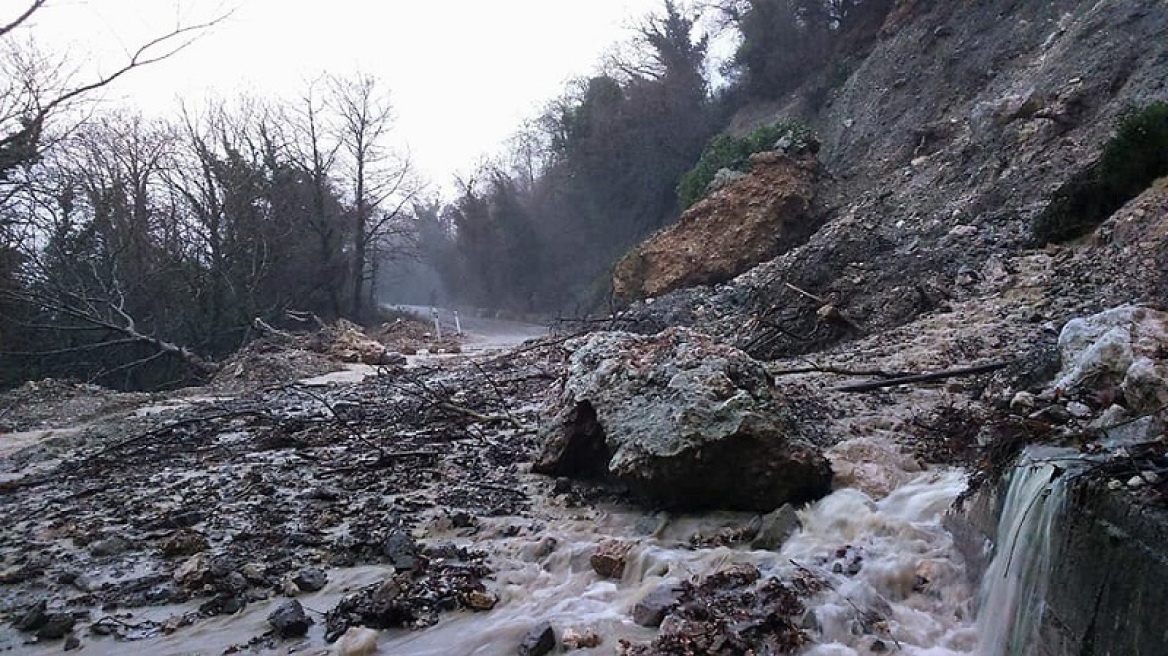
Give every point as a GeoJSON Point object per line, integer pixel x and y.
{"type": "Point", "coordinates": [1014, 586]}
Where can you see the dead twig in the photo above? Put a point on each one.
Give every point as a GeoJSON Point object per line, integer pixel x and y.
{"type": "Point", "coordinates": [922, 378]}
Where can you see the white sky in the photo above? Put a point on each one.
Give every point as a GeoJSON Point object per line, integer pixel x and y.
{"type": "Point", "coordinates": [463, 74]}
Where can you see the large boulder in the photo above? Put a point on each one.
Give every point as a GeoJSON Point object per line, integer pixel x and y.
{"type": "Point", "coordinates": [685, 422]}
{"type": "Point", "coordinates": [749, 220]}
{"type": "Point", "coordinates": [1120, 348]}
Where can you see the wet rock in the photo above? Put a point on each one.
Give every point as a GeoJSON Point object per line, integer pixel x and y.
{"type": "Point", "coordinates": [194, 571]}
{"type": "Point", "coordinates": [357, 641]}
{"type": "Point", "coordinates": [578, 639]}
{"type": "Point", "coordinates": [538, 641]}
{"type": "Point", "coordinates": [685, 421]}
{"type": "Point", "coordinates": [289, 619]}
{"type": "Point", "coordinates": [310, 579]}
{"type": "Point", "coordinates": [56, 626]}
{"type": "Point", "coordinates": [653, 608]}
{"type": "Point", "coordinates": [480, 600]}
{"type": "Point", "coordinates": [33, 618]}
{"type": "Point", "coordinates": [609, 559]}
{"type": "Point", "coordinates": [254, 572]}
{"type": "Point", "coordinates": [184, 543]}
{"type": "Point", "coordinates": [1118, 346]}
{"type": "Point", "coordinates": [224, 603]}
{"type": "Point", "coordinates": [111, 546]}
{"type": "Point", "coordinates": [775, 528]}
{"type": "Point", "coordinates": [1078, 410]}
{"type": "Point", "coordinates": [400, 550]}
{"type": "Point", "coordinates": [72, 643]}
{"type": "Point", "coordinates": [324, 493]}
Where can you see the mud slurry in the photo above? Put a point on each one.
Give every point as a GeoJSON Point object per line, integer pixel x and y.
{"type": "Point", "coordinates": [204, 508]}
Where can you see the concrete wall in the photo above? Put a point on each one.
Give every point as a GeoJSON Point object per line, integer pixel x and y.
{"type": "Point", "coordinates": [1108, 591]}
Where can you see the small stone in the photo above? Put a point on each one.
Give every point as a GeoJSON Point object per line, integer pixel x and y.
{"type": "Point", "coordinates": [254, 572]}
{"type": "Point", "coordinates": [400, 550]}
{"type": "Point", "coordinates": [479, 600]}
{"type": "Point", "coordinates": [33, 618]}
{"type": "Point", "coordinates": [775, 528]}
{"type": "Point", "coordinates": [1114, 485]}
{"type": "Point", "coordinates": [1079, 410]}
{"type": "Point", "coordinates": [652, 609]}
{"type": "Point", "coordinates": [539, 641]}
{"type": "Point", "coordinates": [111, 546]}
{"type": "Point", "coordinates": [289, 588]}
{"type": "Point", "coordinates": [1150, 477]}
{"type": "Point", "coordinates": [609, 559]}
{"type": "Point", "coordinates": [56, 626]}
{"type": "Point", "coordinates": [1136, 482]}
{"type": "Point", "coordinates": [184, 543]}
{"type": "Point", "coordinates": [310, 579]}
{"type": "Point", "coordinates": [575, 639]}
{"type": "Point", "coordinates": [289, 619]}
{"type": "Point", "coordinates": [72, 643]}
{"type": "Point", "coordinates": [1023, 402]}
{"type": "Point", "coordinates": [324, 493]}
{"type": "Point", "coordinates": [357, 641]}
{"type": "Point", "coordinates": [194, 570]}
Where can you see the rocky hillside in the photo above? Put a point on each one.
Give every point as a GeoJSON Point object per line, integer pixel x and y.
{"type": "Point", "coordinates": [941, 146]}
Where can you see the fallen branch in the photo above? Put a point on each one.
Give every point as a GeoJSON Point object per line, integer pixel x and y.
{"type": "Point", "coordinates": [923, 378]}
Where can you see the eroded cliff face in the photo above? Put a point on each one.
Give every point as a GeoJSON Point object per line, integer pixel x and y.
{"type": "Point", "coordinates": [941, 146]}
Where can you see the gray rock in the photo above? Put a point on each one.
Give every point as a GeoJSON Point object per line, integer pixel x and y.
{"type": "Point", "coordinates": [289, 619]}
{"type": "Point", "coordinates": [110, 546]}
{"type": "Point", "coordinates": [682, 420]}
{"type": "Point", "coordinates": [652, 609]}
{"type": "Point", "coordinates": [538, 641]}
{"type": "Point", "coordinates": [776, 527]}
{"type": "Point", "coordinates": [56, 626]}
{"type": "Point", "coordinates": [400, 550]}
{"type": "Point", "coordinates": [33, 618]}
{"type": "Point", "coordinates": [310, 579]}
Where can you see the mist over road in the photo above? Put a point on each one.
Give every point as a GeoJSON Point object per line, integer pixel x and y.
{"type": "Point", "coordinates": [479, 333]}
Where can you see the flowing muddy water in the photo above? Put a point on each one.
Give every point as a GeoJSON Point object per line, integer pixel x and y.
{"type": "Point", "coordinates": [896, 581]}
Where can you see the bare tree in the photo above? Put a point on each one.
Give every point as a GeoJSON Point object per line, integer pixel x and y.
{"type": "Point", "coordinates": [35, 88]}
{"type": "Point", "coordinates": [381, 181]}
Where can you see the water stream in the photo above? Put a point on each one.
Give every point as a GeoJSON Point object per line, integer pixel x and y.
{"type": "Point", "coordinates": [897, 582]}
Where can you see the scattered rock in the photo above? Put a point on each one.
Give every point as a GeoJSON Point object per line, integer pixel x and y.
{"type": "Point", "coordinates": [775, 528]}
{"type": "Point", "coordinates": [539, 641]}
{"type": "Point", "coordinates": [194, 571]}
{"type": "Point", "coordinates": [576, 639]}
{"type": "Point", "coordinates": [72, 643]}
{"type": "Point", "coordinates": [56, 626]}
{"type": "Point", "coordinates": [289, 619]}
{"type": "Point", "coordinates": [653, 607]}
{"type": "Point", "coordinates": [357, 641]}
{"type": "Point", "coordinates": [184, 543]}
{"type": "Point", "coordinates": [609, 559]}
{"type": "Point", "coordinates": [480, 600]}
{"type": "Point", "coordinates": [33, 618]}
{"type": "Point", "coordinates": [310, 579]}
{"type": "Point", "coordinates": [682, 420]}
{"type": "Point", "coordinates": [111, 546]}
{"type": "Point", "coordinates": [400, 550]}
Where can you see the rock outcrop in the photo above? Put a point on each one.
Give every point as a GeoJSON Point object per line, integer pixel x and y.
{"type": "Point", "coordinates": [683, 421]}
{"type": "Point", "coordinates": [749, 220]}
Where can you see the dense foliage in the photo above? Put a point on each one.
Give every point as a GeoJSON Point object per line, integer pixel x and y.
{"type": "Point", "coordinates": [727, 152]}
{"type": "Point", "coordinates": [1135, 156]}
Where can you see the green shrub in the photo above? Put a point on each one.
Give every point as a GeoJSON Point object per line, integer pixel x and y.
{"type": "Point", "coordinates": [1135, 156]}
{"type": "Point", "coordinates": [726, 152]}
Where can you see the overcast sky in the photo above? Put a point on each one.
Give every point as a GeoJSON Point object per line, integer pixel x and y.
{"type": "Point", "coordinates": [463, 74]}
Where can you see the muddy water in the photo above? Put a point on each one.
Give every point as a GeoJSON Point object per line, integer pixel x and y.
{"type": "Point", "coordinates": [896, 580]}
